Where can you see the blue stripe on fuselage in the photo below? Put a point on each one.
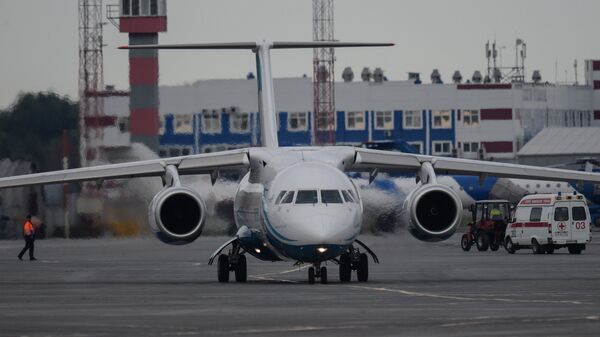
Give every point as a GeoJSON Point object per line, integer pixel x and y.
{"type": "Point", "coordinates": [473, 188]}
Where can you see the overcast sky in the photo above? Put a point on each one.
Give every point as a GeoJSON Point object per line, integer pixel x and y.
{"type": "Point", "coordinates": [39, 39]}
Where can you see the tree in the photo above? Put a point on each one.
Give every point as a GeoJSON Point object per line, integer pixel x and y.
{"type": "Point", "coordinates": [32, 129]}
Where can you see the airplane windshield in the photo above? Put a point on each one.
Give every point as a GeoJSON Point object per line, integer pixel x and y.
{"type": "Point", "coordinates": [347, 196]}
{"type": "Point", "coordinates": [331, 197]}
{"type": "Point", "coordinates": [287, 199]}
{"type": "Point", "coordinates": [307, 197]}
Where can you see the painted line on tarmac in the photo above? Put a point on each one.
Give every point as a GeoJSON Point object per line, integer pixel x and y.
{"type": "Point", "coordinates": [460, 298]}
{"type": "Point", "coordinates": [268, 276]}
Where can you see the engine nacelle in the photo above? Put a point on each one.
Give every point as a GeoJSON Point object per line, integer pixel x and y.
{"type": "Point", "coordinates": [432, 212]}
{"type": "Point", "coordinates": [176, 215]}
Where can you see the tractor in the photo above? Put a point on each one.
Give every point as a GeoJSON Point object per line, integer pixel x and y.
{"type": "Point", "coordinates": [486, 230]}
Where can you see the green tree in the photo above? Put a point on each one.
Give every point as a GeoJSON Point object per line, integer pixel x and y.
{"type": "Point", "coordinates": [32, 129]}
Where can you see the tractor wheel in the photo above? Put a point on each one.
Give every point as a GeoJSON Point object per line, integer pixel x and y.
{"type": "Point", "coordinates": [482, 241]}
{"type": "Point", "coordinates": [465, 243]}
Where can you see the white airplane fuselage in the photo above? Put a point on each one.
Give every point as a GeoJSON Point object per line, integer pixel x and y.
{"type": "Point", "coordinates": [298, 204]}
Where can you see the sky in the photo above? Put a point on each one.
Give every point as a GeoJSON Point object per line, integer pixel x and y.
{"type": "Point", "coordinates": [39, 39]}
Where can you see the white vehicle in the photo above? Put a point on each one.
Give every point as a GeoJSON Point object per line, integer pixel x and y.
{"type": "Point", "coordinates": [296, 203]}
{"type": "Point", "coordinates": [546, 222]}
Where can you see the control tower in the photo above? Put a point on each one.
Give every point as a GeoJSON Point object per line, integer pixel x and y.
{"type": "Point", "coordinates": [143, 20]}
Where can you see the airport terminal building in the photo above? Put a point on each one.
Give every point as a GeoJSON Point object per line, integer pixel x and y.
{"type": "Point", "coordinates": [468, 120]}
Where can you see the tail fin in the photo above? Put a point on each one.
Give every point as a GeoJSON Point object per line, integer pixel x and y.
{"type": "Point", "coordinates": [266, 95]}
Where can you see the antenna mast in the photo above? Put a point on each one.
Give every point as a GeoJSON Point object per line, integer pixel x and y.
{"type": "Point", "coordinates": [323, 74]}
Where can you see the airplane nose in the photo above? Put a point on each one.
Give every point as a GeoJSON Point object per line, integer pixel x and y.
{"type": "Point", "coordinates": [328, 229]}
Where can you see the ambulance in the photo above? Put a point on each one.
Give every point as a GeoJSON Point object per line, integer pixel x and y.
{"type": "Point", "coordinates": [545, 222]}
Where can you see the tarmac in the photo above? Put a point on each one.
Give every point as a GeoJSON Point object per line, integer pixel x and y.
{"type": "Point", "coordinates": [142, 287]}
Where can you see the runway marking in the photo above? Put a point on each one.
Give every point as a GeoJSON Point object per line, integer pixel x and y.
{"type": "Point", "coordinates": [267, 276]}
{"type": "Point", "coordinates": [460, 298]}
{"type": "Point", "coordinates": [490, 320]}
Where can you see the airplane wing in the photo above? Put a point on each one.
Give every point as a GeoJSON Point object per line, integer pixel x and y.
{"type": "Point", "coordinates": [193, 164]}
{"type": "Point", "coordinates": [388, 161]}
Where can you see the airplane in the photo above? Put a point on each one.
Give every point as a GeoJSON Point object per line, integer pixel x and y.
{"type": "Point", "coordinates": [296, 203]}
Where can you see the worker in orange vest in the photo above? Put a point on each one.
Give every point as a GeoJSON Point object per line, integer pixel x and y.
{"type": "Point", "coordinates": [29, 235]}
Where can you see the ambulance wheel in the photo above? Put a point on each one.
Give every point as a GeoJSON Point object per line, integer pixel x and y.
{"type": "Point", "coordinates": [311, 275]}
{"type": "Point", "coordinates": [509, 246]}
{"type": "Point", "coordinates": [362, 272]}
{"type": "Point", "coordinates": [465, 244]}
{"type": "Point", "coordinates": [323, 275]}
{"type": "Point", "coordinates": [574, 249]}
{"type": "Point", "coordinates": [482, 241]}
{"type": "Point", "coordinates": [241, 271]}
{"type": "Point", "coordinates": [536, 247]}
{"type": "Point", "coordinates": [223, 268]}
{"type": "Point", "coordinates": [550, 249]}
{"type": "Point", "coordinates": [345, 268]}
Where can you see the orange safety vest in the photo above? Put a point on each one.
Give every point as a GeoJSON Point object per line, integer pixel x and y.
{"type": "Point", "coordinates": [28, 228]}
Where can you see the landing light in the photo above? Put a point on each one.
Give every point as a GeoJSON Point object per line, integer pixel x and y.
{"type": "Point", "coordinates": [257, 250]}
{"type": "Point", "coordinates": [321, 250]}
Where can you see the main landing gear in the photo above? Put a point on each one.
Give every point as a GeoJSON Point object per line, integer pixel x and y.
{"type": "Point", "coordinates": [234, 261]}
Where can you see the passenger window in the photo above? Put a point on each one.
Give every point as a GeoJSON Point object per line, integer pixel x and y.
{"type": "Point", "coordinates": [331, 197]}
{"type": "Point", "coordinates": [561, 214]}
{"type": "Point", "coordinates": [287, 199]}
{"type": "Point", "coordinates": [347, 196]}
{"type": "Point", "coordinates": [536, 214]}
{"type": "Point", "coordinates": [307, 197]}
{"type": "Point", "coordinates": [579, 213]}
{"type": "Point", "coordinates": [280, 196]}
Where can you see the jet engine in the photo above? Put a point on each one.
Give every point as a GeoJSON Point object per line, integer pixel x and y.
{"type": "Point", "coordinates": [176, 215]}
{"type": "Point", "coordinates": [432, 212]}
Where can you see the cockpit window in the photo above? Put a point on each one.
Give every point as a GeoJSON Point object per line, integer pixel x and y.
{"type": "Point", "coordinates": [347, 196]}
{"type": "Point", "coordinates": [331, 197]}
{"type": "Point", "coordinates": [307, 197]}
{"type": "Point", "coordinates": [288, 197]}
{"type": "Point", "coordinates": [280, 196]}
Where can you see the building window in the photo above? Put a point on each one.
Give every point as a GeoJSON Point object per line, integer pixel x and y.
{"type": "Point", "coordinates": [161, 125]}
{"type": "Point", "coordinates": [183, 124]}
{"type": "Point", "coordinates": [211, 121]}
{"type": "Point", "coordinates": [239, 122]}
{"type": "Point", "coordinates": [418, 146]}
{"type": "Point", "coordinates": [355, 120]}
{"type": "Point", "coordinates": [470, 147]}
{"type": "Point", "coordinates": [470, 117]}
{"type": "Point", "coordinates": [123, 124]}
{"type": "Point", "coordinates": [384, 120]}
{"type": "Point", "coordinates": [442, 148]}
{"type": "Point", "coordinates": [413, 119]}
{"type": "Point", "coordinates": [162, 153]}
{"type": "Point", "coordinates": [441, 119]}
{"type": "Point", "coordinates": [297, 121]}
{"type": "Point", "coordinates": [174, 152]}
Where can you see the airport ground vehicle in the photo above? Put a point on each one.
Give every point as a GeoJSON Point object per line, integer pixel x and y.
{"type": "Point", "coordinates": [489, 220]}
{"type": "Point", "coordinates": [546, 222]}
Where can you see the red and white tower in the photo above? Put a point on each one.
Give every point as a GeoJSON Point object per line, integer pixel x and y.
{"type": "Point", "coordinates": [323, 75]}
{"type": "Point", "coordinates": [143, 20]}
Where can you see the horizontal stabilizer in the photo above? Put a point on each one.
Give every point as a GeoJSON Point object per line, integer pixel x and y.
{"type": "Point", "coordinates": [253, 45]}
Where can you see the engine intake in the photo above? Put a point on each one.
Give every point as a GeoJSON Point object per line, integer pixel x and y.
{"type": "Point", "coordinates": [432, 212]}
{"type": "Point", "coordinates": [176, 215]}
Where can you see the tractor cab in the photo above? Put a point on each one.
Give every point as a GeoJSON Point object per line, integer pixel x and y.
{"type": "Point", "coordinates": [489, 219]}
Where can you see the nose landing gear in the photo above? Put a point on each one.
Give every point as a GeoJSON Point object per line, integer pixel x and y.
{"type": "Point", "coordinates": [317, 272]}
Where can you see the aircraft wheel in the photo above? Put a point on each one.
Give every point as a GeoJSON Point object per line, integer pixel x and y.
{"type": "Point", "coordinates": [223, 268]}
{"type": "Point", "coordinates": [362, 271]}
{"type": "Point", "coordinates": [536, 247]}
{"type": "Point", "coordinates": [465, 244]}
{"type": "Point", "coordinates": [241, 271]}
{"type": "Point", "coordinates": [323, 275]}
{"type": "Point", "coordinates": [482, 241]}
{"type": "Point", "coordinates": [510, 246]}
{"type": "Point", "coordinates": [311, 275]}
{"type": "Point", "coordinates": [345, 268]}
